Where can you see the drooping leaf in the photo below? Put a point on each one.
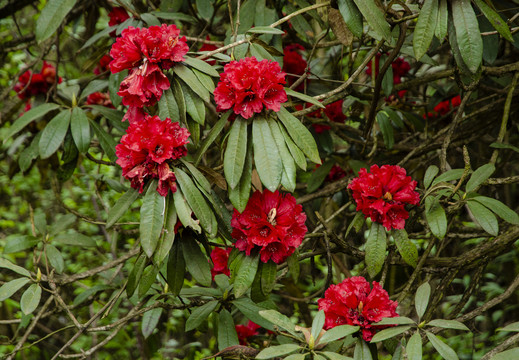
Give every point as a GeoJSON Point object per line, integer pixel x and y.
{"type": "Point", "coordinates": [277, 351]}
{"type": "Point", "coordinates": [443, 349]}
{"type": "Point", "coordinates": [405, 247]}
{"type": "Point", "coordinates": [331, 356]}
{"type": "Point", "coordinates": [235, 152]}
{"type": "Point", "coordinates": [54, 134]}
{"type": "Point", "coordinates": [92, 87]}
{"type": "Point", "coordinates": [239, 196]}
{"type": "Point", "coordinates": [430, 173]}
{"type": "Point", "coordinates": [196, 262]}
{"type": "Point", "coordinates": [266, 154]}
{"type": "Point", "coordinates": [441, 23]}
{"type": "Point", "coordinates": [288, 176]}
{"type": "Point", "coordinates": [386, 128]}
{"type": "Point", "coordinates": [496, 20]}
{"type": "Point", "coordinates": [51, 17]}
{"type": "Point", "coordinates": [152, 218]}
{"type": "Point", "coordinates": [192, 81]}
{"type": "Point", "coordinates": [184, 211]}
{"type": "Point", "coordinates": [248, 308]}
{"type": "Point", "coordinates": [202, 66]}
{"type": "Point", "coordinates": [211, 137]}
{"type": "Point", "coordinates": [319, 175]}
{"type": "Point", "coordinates": [436, 218]}
{"type": "Point", "coordinates": [414, 347]}
{"type": "Point", "coordinates": [317, 324]}
{"type": "Point", "coordinates": [304, 97]}
{"type": "Point", "coordinates": [148, 278]}
{"type": "Point", "coordinates": [296, 153]}
{"type": "Point", "coordinates": [245, 275]}
{"type": "Point", "coordinates": [425, 28]}
{"type": "Point", "coordinates": [6, 264]}
{"type": "Point", "coordinates": [421, 299]}
{"type": "Point", "coordinates": [227, 335]}
{"type": "Point", "coordinates": [150, 320]}
{"type": "Point", "coordinates": [121, 206]}
{"type": "Point", "coordinates": [194, 106]}
{"type": "Point", "coordinates": [135, 275]}
{"type": "Point", "coordinates": [280, 320]}
{"type": "Point", "coordinates": [10, 288]}
{"type": "Point", "coordinates": [338, 332]}
{"type": "Point", "coordinates": [168, 107]}
{"type": "Point", "coordinates": [30, 299]}
{"type": "Point", "coordinates": [300, 135]}
{"type": "Point", "coordinates": [168, 237]}
{"type": "Point", "coordinates": [28, 117]}
{"type": "Point", "coordinates": [352, 16]}
{"type": "Point", "coordinates": [200, 314]}
{"type": "Point", "coordinates": [176, 268]}
{"type": "Point", "coordinates": [362, 351]}
{"type": "Point", "coordinates": [55, 258]}
{"type": "Point", "coordinates": [479, 176]}
{"type": "Point", "coordinates": [375, 249]}
{"type": "Point", "coordinates": [106, 141]}
{"type": "Point", "coordinates": [468, 35]}
{"type": "Point", "coordinates": [484, 217]}
{"type": "Point", "coordinates": [80, 128]}
{"type": "Point", "coordinates": [375, 18]}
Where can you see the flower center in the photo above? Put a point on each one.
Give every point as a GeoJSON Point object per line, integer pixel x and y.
{"type": "Point", "coordinates": [271, 217]}
{"type": "Point", "coordinates": [387, 196]}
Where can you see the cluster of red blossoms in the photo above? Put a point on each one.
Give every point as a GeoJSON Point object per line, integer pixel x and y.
{"type": "Point", "coordinates": [146, 52]}
{"type": "Point", "coordinates": [271, 222]}
{"type": "Point", "coordinates": [333, 112]}
{"type": "Point", "coordinates": [31, 84]}
{"type": "Point", "coordinates": [245, 332]}
{"type": "Point", "coordinates": [220, 259]}
{"type": "Point", "coordinates": [99, 98]}
{"type": "Point", "coordinates": [383, 193]}
{"type": "Point", "coordinates": [445, 106]}
{"type": "Point", "coordinates": [146, 150]}
{"type": "Point", "coordinates": [354, 302]}
{"type": "Point", "coordinates": [400, 69]}
{"type": "Point", "coordinates": [248, 85]}
{"type": "Point", "coordinates": [294, 64]}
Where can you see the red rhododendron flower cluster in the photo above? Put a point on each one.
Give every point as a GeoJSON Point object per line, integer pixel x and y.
{"type": "Point", "coordinates": [354, 302]}
{"type": "Point", "coordinates": [31, 84]}
{"type": "Point", "coordinates": [445, 106]}
{"type": "Point", "coordinates": [146, 52]}
{"type": "Point", "coordinates": [399, 65]}
{"type": "Point", "coordinates": [99, 98]}
{"type": "Point", "coordinates": [294, 64]}
{"type": "Point", "coordinates": [117, 16]}
{"type": "Point", "coordinates": [103, 65]}
{"type": "Point", "coordinates": [332, 112]}
{"type": "Point", "coordinates": [220, 259]}
{"type": "Point", "coordinates": [272, 223]}
{"type": "Point", "coordinates": [247, 331]}
{"type": "Point", "coordinates": [336, 173]}
{"type": "Point", "coordinates": [208, 47]}
{"type": "Point", "coordinates": [383, 193]}
{"type": "Point", "coordinates": [248, 85]}
{"type": "Point", "coordinates": [147, 149]}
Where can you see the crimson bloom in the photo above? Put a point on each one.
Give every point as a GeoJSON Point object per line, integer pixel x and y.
{"type": "Point", "coordinates": [99, 98]}
{"type": "Point", "coordinates": [147, 149]}
{"type": "Point", "coordinates": [294, 64]}
{"type": "Point", "coordinates": [354, 302]}
{"type": "Point", "coordinates": [383, 193]}
{"type": "Point", "coordinates": [399, 66]}
{"type": "Point", "coordinates": [445, 106]}
{"type": "Point", "coordinates": [208, 47]}
{"type": "Point", "coordinates": [246, 331]}
{"type": "Point", "coordinates": [220, 259]}
{"type": "Point", "coordinates": [333, 112]}
{"type": "Point", "coordinates": [272, 223]}
{"type": "Point", "coordinates": [31, 84]}
{"type": "Point", "coordinates": [103, 64]}
{"type": "Point", "coordinates": [117, 16]}
{"type": "Point", "coordinates": [249, 85]}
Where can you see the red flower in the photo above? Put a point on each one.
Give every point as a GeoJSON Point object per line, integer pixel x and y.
{"type": "Point", "coordinates": [117, 16]}
{"type": "Point", "coordinates": [320, 128]}
{"type": "Point", "coordinates": [271, 222]}
{"type": "Point", "coordinates": [336, 173]}
{"type": "Point", "coordinates": [354, 302]}
{"type": "Point", "coordinates": [444, 107]}
{"type": "Point", "coordinates": [400, 68]}
{"type": "Point", "coordinates": [248, 85]}
{"type": "Point", "coordinates": [383, 193]}
{"type": "Point", "coordinates": [332, 112]}
{"type": "Point", "coordinates": [143, 86]}
{"type": "Point", "coordinates": [220, 258]}
{"type": "Point", "coordinates": [208, 47]}
{"type": "Point", "coordinates": [103, 65]}
{"type": "Point", "coordinates": [31, 84]}
{"type": "Point", "coordinates": [147, 148]}
{"type": "Point", "coordinates": [246, 331]}
{"type": "Point", "coordinates": [99, 98]}
{"type": "Point", "coordinates": [294, 64]}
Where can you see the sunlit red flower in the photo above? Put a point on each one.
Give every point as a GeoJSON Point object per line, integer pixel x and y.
{"type": "Point", "coordinates": [249, 85]}
{"type": "Point", "coordinates": [117, 16]}
{"type": "Point", "coordinates": [383, 193]}
{"type": "Point", "coordinates": [99, 98]}
{"type": "Point", "coordinates": [272, 223]}
{"type": "Point", "coordinates": [146, 150]}
{"type": "Point", "coordinates": [247, 331]}
{"type": "Point", "coordinates": [294, 64]}
{"type": "Point", "coordinates": [31, 84]}
{"type": "Point", "coordinates": [220, 258]}
{"type": "Point", "coordinates": [354, 302]}
{"type": "Point", "coordinates": [143, 86]}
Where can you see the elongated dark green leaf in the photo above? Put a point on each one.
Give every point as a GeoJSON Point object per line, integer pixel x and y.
{"type": "Point", "coordinates": [211, 137]}
{"type": "Point", "coordinates": [421, 299]}
{"type": "Point", "coordinates": [303, 97]}
{"type": "Point", "coordinates": [92, 87]}
{"type": "Point", "coordinates": [80, 129]}
{"type": "Point", "coordinates": [352, 16]}
{"type": "Point", "coordinates": [74, 239]}
{"type": "Point", "coordinates": [152, 218]}
{"type": "Point", "coordinates": [329, 355]}
{"type": "Point", "coordinates": [197, 202]}
{"type": "Point", "coordinates": [277, 351]}
{"type": "Point", "coordinates": [202, 66]}
{"type": "Point", "coordinates": [268, 273]}
{"type": "Point", "coordinates": [174, 16]}
{"type": "Point", "coordinates": [296, 153]}
{"type": "Point", "coordinates": [135, 275]}
{"type": "Point", "coordinates": [150, 19]}
{"type": "Point", "coordinates": [194, 105]}
{"type": "Point", "coordinates": [386, 128]}
{"type": "Point", "coordinates": [500, 209]}
{"type": "Point", "coordinates": [507, 355]}
{"type": "Point", "coordinates": [425, 27]}
{"type": "Point", "coordinates": [148, 278]}
{"type": "Point", "coordinates": [441, 22]}
{"type": "Point", "coordinates": [227, 335]}
{"type": "Point", "coordinates": [436, 218]}
{"type": "Point", "coordinates": [389, 333]}
{"type": "Point", "coordinates": [16, 243]}
{"type": "Point", "coordinates": [6, 264]}
{"type": "Point", "coordinates": [54, 134]}
{"type": "Point", "coordinates": [414, 347]}
{"type": "Point", "coordinates": [168, 107]}
{"type": "Point", "coordinates": [192, 81]}
{"type": "Point", "coordinates": [115, 116]}
{"type": "Point", "coordinates": [362, 351]}
{"type": "Point", "coordinates": [150, 319]}
{"type": "Point", "coordinates": [406, 248]}
{"type": "Point", "coordinates": [467, 33]}
{"type": "Point", "coordinates": [510, 327]}
{"type": "Point", "coordinates": [106, 141]}
{"type": "Point", "coordinates": [484, 217]}
{"type": "Point", "coordinates": [10, 288]}
{"type": "Point", "coordinates": [121, 206]}
{"type": "Point", "coordinates": [317, 324]}
{"type": "Point", "coordinates": [430, 173]}
{"type": "Point", "coordinates": [168, 237]}
{"type": "Point", "coordinates": [200, 314]}
{"type": "Point", "coordinates": [29, 117]}
{"type": "Point", "coordinates": [318, 176]}
{"type": "Point", "coordinates": [448, 324]}
{"type": "Point", "coordinates": [479, 176]}
{"type": "Point", "coordinates": [55, 258]}
{"type": "Point", "coordinates": [300, 135]}
{"type": "Point", "coordinates": [97, 36]}
{"type": "Point", "coordinates": [30, 299]}
{"type": "Point", "coordinates": [30, 153]}
{"type": "Point", "coordinates": [496, 20]}
{"type": "Point", "coordinates": [265, 30]}
{"type": "Point", "coordinates": [245, 275]}
{"type": "Point", "coordinates": [399, 320]}
{"type": "Point", "coordinates": [179, 97]}
{"type": "Point", "coordinates": [248, 308]}
{"type": "Point", "coordinates": [196, 262]}
{"type": "Point", "coordinates": [338, 332]}
{"type": "Point", "coordinates": [205, 80]}
{"type": "Point", "coordinates": [276, 318]}
{"type": "Point", "coordinates": [235, 152]}
{"type": "Point", "coordinates": [239, 196]}
{"type": "Point", "coordinates": [443, 349]}
{"type": "Point", "coordinates": [288, 176]}
{"type": "Point", "coordinates": [375, 18]}
{"type": "Point", "coordinates": [176, 268]}
{"type": "Point", "coordinates": [51, 17]}
{"type": "Point", "coordinates": [375, 249]}
{"type": "Point", "coordinates": [266, 154]}
{"type": "Point", "coordinates": [184, 211]}
{"type": "Point", "coordinates": [450, 175]}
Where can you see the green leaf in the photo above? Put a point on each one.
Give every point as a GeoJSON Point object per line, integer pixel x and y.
{"type": "Point", "coordinates": [205, 8]}
{"type": "Point", "coordinates": [421, 299]}
{"type": "Point", "coordinates": [55, 258]}
{"type": "Point", "coordinates": [450, 175]}
{"type": "Point", "coordinates": [510, 327]}
{"type": "Point", "coordinates": [300, 135]}
{"type": "Point", "coordinates": [375, 249]}
{"type": "Point", "coordinates": [107, 30]}
{"type": "Point", "coordinates": [299, 357]}
{"type": "Point", "coordinates": [277, 351]}
{"type": "Point", "coordinates": [332, 356]}
{"type": "Point", "coordinates": [6, 264]}
{"type": "Point", "coordinates": [436, 218]}
{"type": "Point", "coordinates": [430, 173]}
{"type": "Point", "coordinates": [201, 291]}
{"type": "Point", "coordinates": [362, 351]}
{"type": "Point", "coordinates": [180, 98]}
{"type": "Point", "coordinates": [192, 81]}
{"type": "Point", "coordinates": [194, 106]}
{"type": "Point", "coordinates": [200, 314]}
{"type": "Point", "coordinates": [399, 320]}
{"type": "Point", "coordinates": [279, 320]}
{"type": "Point", "coordinates": [148, 278]}
{"type": "Point", "coordinates": [265, 30]}
{"type": "Point", "coordinates": [389, 333]}
{"type": "Point", "coordinates": [10, 288]}
{"type": "Point", "coordinates": [479, 176]}
{"type": "Point", "coordinates": [202, 66]}
{"type": "Point", "coordinates": [467, 33]}
{"type": "Point", "coordinates": [205, 80]}
{"type": "Point", "coordinates": [443, 349]}
{"type": "Point", "coordinates": [251, 311]}
{"type": "Point", "coordinates": [196, 262]}
{"type": "Point", "coordinates": [80, 129]}
{"type": "Point", "coordinates": [337, 333]}
{"type": "Point", "coordinates": [245, 275]}
{"type": "Point", "coordinates": [304, 97]}
{"type": "Point", "coordinates": [168, 107]}
{"type": "Point", "coordinates": [30, 299]}
{"type": "Point", "coordinates": [239, 196]}
{"type": "Point", "coordinates": [441, 23]}
{"type": "Point", "coordinates": [28, 117]}
{"type": "Point", "coordinates": [405, 247]}
{"type": "Point", "coordinates": [135, 275]}
{"type": "Point", "coordinates": [82, 297]}
{"type": "Point", "coordinates": [484, 217]}
{"type": "Point", "coordinates": [227, 335]}
{"type": "Point", "coordinates": [414, 347]}
{"type": "Point", "coordinates": [268, 273]}
{"type": "Point", "coordinates": [184, 211]}
{"type": "Point", "coordinates": [168, 237]}
{"type": "Point", "coordinates": [175, 16]}
{"type": "Point", "coordinates": [150, 19]}
{"type": "Point", "coordinates": [106, 141]}
{"type": "Point", "coordinates": [211, 137]}
{"type": "Point", "coordinates": [317, 324]}
{"type": "Point", "coordinates": [196, 201]}
{"type": "Point", "coordinates": [30, 153]}
{"type": "Point", "coordinates": [54, 134]}
{"type": "Point", "coordinates": [319, 175]}
{"type": "Point", "coordinates": [296, 153]}
{"type": "Point", "coordinates": [176, 268]}
{"type": "Point", "coordinates": [114, 116]}
{"type": "Point", "coordinates": [266, 154]}
{"type": "Point", "coordinates": [496, 20]}
{"type": "Point", "coordinates": [150, 319]}
{"type": "Point", "coordinates": [92, 87]}
{"type": "Point", "coordinates": [51, 17]}
{"type": "Point", "coordinates": [75, 239]}
{"type": "Point", "coordinates": [121, 206]}
{"type": "Point", "coordinates": [152, 219]}
{"type": "Point", "coordinates": [497, 145]}
{"type": "Point", "coordinates": [235, 152]}
{"type": "Point", "coordinates": [507, 355]}
{"type": "Point", "coordinates": [425, 27]}
{"type": "Point", "coordinates": [375, 18]}
{"type": "Point", "coordinates": [293, 266]}
{"type": "Point", "coordinates": [352, 16]}
{"type": "Point", "coordinates": [448, 324]}
{"type": "Point", "coordinates": [16, 243]}
{"type": "Point", "coordinates": [288, 176]}
{"type": "Point", "coordinates": [386, 129]}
